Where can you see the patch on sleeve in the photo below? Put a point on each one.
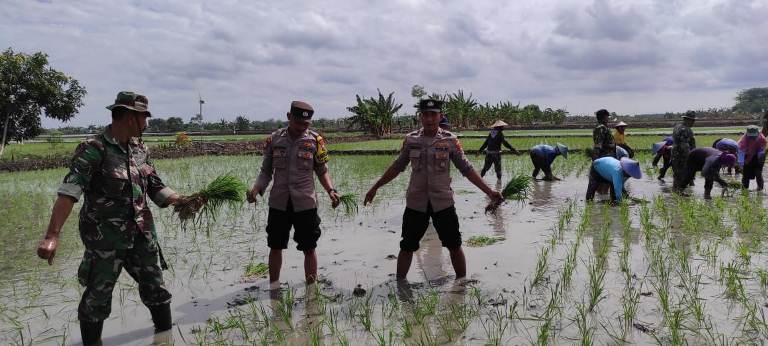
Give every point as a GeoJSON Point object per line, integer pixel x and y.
{"type": "Point", "coordinates": [322, 152]}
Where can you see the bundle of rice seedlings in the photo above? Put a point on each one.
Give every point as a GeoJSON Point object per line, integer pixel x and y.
{"type": "Point", "coordinates": [225, 189]}
{"type": "Point", "coordinates": [517, 189]}
{"type": "Point", "coordinates": [253, 271]}
{"type": "Point", "coordinates": [483, 240]}
{"type": "Point", "coordinates": [349, 201]}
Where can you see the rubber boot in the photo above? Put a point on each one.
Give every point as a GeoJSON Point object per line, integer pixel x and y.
{"type": "Point", "coordinates": [161, 316]}
{"type": "Point", "coordinates": [91, 332]}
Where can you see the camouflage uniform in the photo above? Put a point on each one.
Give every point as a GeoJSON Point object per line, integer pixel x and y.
{"type": "Point", "coordinates": [603, 142]}
{"type": "Point", "coordinates": [429, 190]}
{"type": "Point", "coordinates": [292, 200]}
{"type": "Point", "coordinates": [116, 225]}
{"type": "Point", "coordinates": [684, 141]}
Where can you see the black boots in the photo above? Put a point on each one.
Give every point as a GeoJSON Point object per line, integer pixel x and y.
{"type": "Point", "coordinates": [161, 316]}
{"type": "Point", "coordinates": [91, 332]}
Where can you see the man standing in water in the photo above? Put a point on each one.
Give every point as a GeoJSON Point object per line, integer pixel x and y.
{"type": "Point", "coordinates": [116, 226]}
{"type": "Point", "coordinates": [684, 142]}
{"type": "Point", "coordinates": [430, 150]}
{"type": "Point", "coordinates": [492, 147]}
{"type": "Point", "coordinates": [603, 144]}
{"type": "Point", "coordinates": [292, 155]}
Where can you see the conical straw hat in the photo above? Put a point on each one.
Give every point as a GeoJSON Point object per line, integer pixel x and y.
{"type": "Point", "coordinates": [498, 123]}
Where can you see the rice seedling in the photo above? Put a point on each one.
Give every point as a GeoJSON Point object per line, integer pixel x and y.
{"type": "Point", "coordinates": [596, 290]}
{"type": "Point", "coordinates": [406, 327]}
{"type": "Point", "coordinates": [349, 201]}
{"type": "Point", "coordinates": [494, 326]}
{"type": "Point", "coordinates": [445, 322]}
{"type": "Point", "coordinates": [384, 337]}
{"type": "Point", "coordinates": [225, 189]}
{"type": "Point", "coordinates": [463, 315]}
{"type": "Point", "coordinates": [568, 266]}
{"type": "Point", "coordinates": [630, 300]}
{"type": "Point", "coordinates": [731, 276]}
{"type": "Point", "coordinates": [483, 240]}
{"type": "Point", "coordinates": [586, 332]}
{"type": "Point", "coordinates": [285, 307]}
{"type": "Point", "coordinates": [255, 270]}
{"type": "Point", "coordinates": [314, 334]}
{"type": "Point", "coordinates": [541, 267]}
{"type": "Point", "coordinates": [762, 277]}
{"type": "Point", "coordinates": [517, 189]}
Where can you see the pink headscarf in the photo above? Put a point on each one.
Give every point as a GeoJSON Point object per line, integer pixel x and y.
{"type": "Point", "coordinates": [751, 146]}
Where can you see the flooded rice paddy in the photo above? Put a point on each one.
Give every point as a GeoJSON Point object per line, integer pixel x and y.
{"type": "Point", "coordinates": [658, 270]}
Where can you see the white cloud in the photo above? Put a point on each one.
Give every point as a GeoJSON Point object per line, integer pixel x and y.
{"type": "Point", "coordinates": [254, 57]}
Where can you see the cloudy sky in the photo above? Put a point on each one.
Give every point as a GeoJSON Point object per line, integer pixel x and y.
{"type": "Point", "coordinates": [253, 57]}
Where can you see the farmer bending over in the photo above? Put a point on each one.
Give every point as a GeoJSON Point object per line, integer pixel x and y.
{"type": "Point", "coordinates": [662, 150]}
{"type": "Point", "coordinates": [430, 151]}
{"type": "Point", "coordinates": [543, 155]}
{"type": "Point", "coordinates": [608, 170]}
{"type": "Point", "coordinates": [730, 146]}
{"type": "Point", "coordinates": [620, 139]}
{"type": "Point", "coordinates": [708, 161]}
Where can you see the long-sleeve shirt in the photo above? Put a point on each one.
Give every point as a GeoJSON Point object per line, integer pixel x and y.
{"type": "Point", "coordinates": [610, 169]}
{"type": "Point", "coordinates": [494, 141]}
{"type": "Point", "coordinates": [603, 141]}
{"type": "Point", "coordinates": [751, 146]}
{"type": "Point", "coordinates": [706, 160]}
{"type": "Point", "coordinates": [619, 138]}
{"type": "Point", "coordinates": [430, 159]}
{"type": "Point", "coordinates": [116, 182]}
{"type": "Point", "coordinates": [547, 152]}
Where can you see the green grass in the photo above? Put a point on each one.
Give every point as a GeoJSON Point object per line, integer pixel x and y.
{"type": "Point", "coordinates": [483, 240]}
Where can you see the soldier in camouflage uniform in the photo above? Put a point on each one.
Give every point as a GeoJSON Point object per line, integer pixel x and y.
{"type": "Point", "coordinates": [682, 136]}
{"type": "Point", "coordinates": [114, 173]}
{"type": "Point", "coordinates": [602, 137]}
{"type": "Point", "coordinates": [292, 155]}
{"type": "Point", "coordinates": [430, 151]}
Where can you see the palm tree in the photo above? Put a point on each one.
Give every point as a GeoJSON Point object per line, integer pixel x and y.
{"type": "Point", "coordinates": [460, 109]}
{"type": "Point", "coordinates": [374, 115]}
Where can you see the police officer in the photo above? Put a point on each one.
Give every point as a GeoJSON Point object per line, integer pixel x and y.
{"type": "Point", "coordinates": [682, 136]}
{"type": "Point", "coordinates": [602, 137]}
{"type": "Point", "coordinates": [114, 173]}
{"type": "Point", "coordinates": [492, 147]}
{"type": "Point", "coordinates": [708, 161]}
{"type": "Point", "coordinates": [292, 155]}
{"type": "Point", "coordinates": [430, 151]}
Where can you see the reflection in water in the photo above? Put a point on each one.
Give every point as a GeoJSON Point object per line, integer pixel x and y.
{"type": "Point", "coordinates": [542, 193]}
{"type": "Point", "coordinates": [429, 257]}
{"type": "Point", "coordinates": [497, 219]}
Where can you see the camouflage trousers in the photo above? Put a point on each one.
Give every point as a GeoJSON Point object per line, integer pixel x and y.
{"type": "Point", "coordinates": [100, 269]}
{"type": "Point", "coordinates": [679, 170]}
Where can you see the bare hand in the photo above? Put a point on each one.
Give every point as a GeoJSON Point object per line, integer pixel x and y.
{"type": "Point", "coordinates": [253, 193]}
{"type": "Point", "coordinates": [47, 248]}
{"type": "Point", "coordinates": [495, 195]}
{"type": "Point", "coordinates": [369, 196]}
{"type": "Point", "coordinates": [334, 199]}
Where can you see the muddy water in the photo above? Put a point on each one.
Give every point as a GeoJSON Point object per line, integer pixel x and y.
{"type": "Point", "coordinates": [39, 303]}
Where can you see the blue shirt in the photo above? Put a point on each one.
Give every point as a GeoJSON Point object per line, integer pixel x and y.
{"type": "Point", "coordinates": [610, 169]}
{"type": "Point", "coordinates": [546, 151]}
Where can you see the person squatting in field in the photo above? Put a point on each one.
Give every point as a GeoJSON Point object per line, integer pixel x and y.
{"type": "Point", "coordinates": [117, 228]}
{"type": "Point", "coordinates": [430, 151]}
{"type": "Point", "coordinates": [292, 155]}
{"type": "Point", "coordinates": [492, 148]}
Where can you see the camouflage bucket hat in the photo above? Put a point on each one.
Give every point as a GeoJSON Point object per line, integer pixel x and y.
{"type": "Point", "coordinates": [131, 100]}
{"type": "Point", "coordinates": [689, 115]}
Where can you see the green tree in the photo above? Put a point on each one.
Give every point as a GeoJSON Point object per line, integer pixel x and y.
{"type": "Point", "coordinates": [460, 109]}
{"type": "Point", "coordinates": [157, 125]}
{"type": "Point", "coordinates": [174, 124]}
{"type": "Point", "coordinates": [418, 92]}
{"type": "Point", "coordinates": [29, 88]}
{"type": "Point", "coordinates": [374, 115]}
{"type": "Point", "coordinates": [242, 123]}
{"type": "Point", "coordinates": [751, 101]}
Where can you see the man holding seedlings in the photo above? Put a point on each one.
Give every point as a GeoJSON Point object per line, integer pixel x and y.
{"type": "Point", "coordinates": [708, 161]}
{"type": "Point", "coordinates": [543, 155]}
{"type": "Point", "coordinates": [492, 147]}
{"type": "Point", "coordinates": [602, 137]}
{"type": "Point", "coordinates": [682, 136]}
{"type": "Point", "coordinates": [430, 150]}
{"type": "Point", "coordinates": [752, 156]}
{"type": "Point", "coordinates": [114, 173]}
{"type": "Point", "coordinates": [292, 155]}
{"type": "Point", "coordinates": [609, 170]}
